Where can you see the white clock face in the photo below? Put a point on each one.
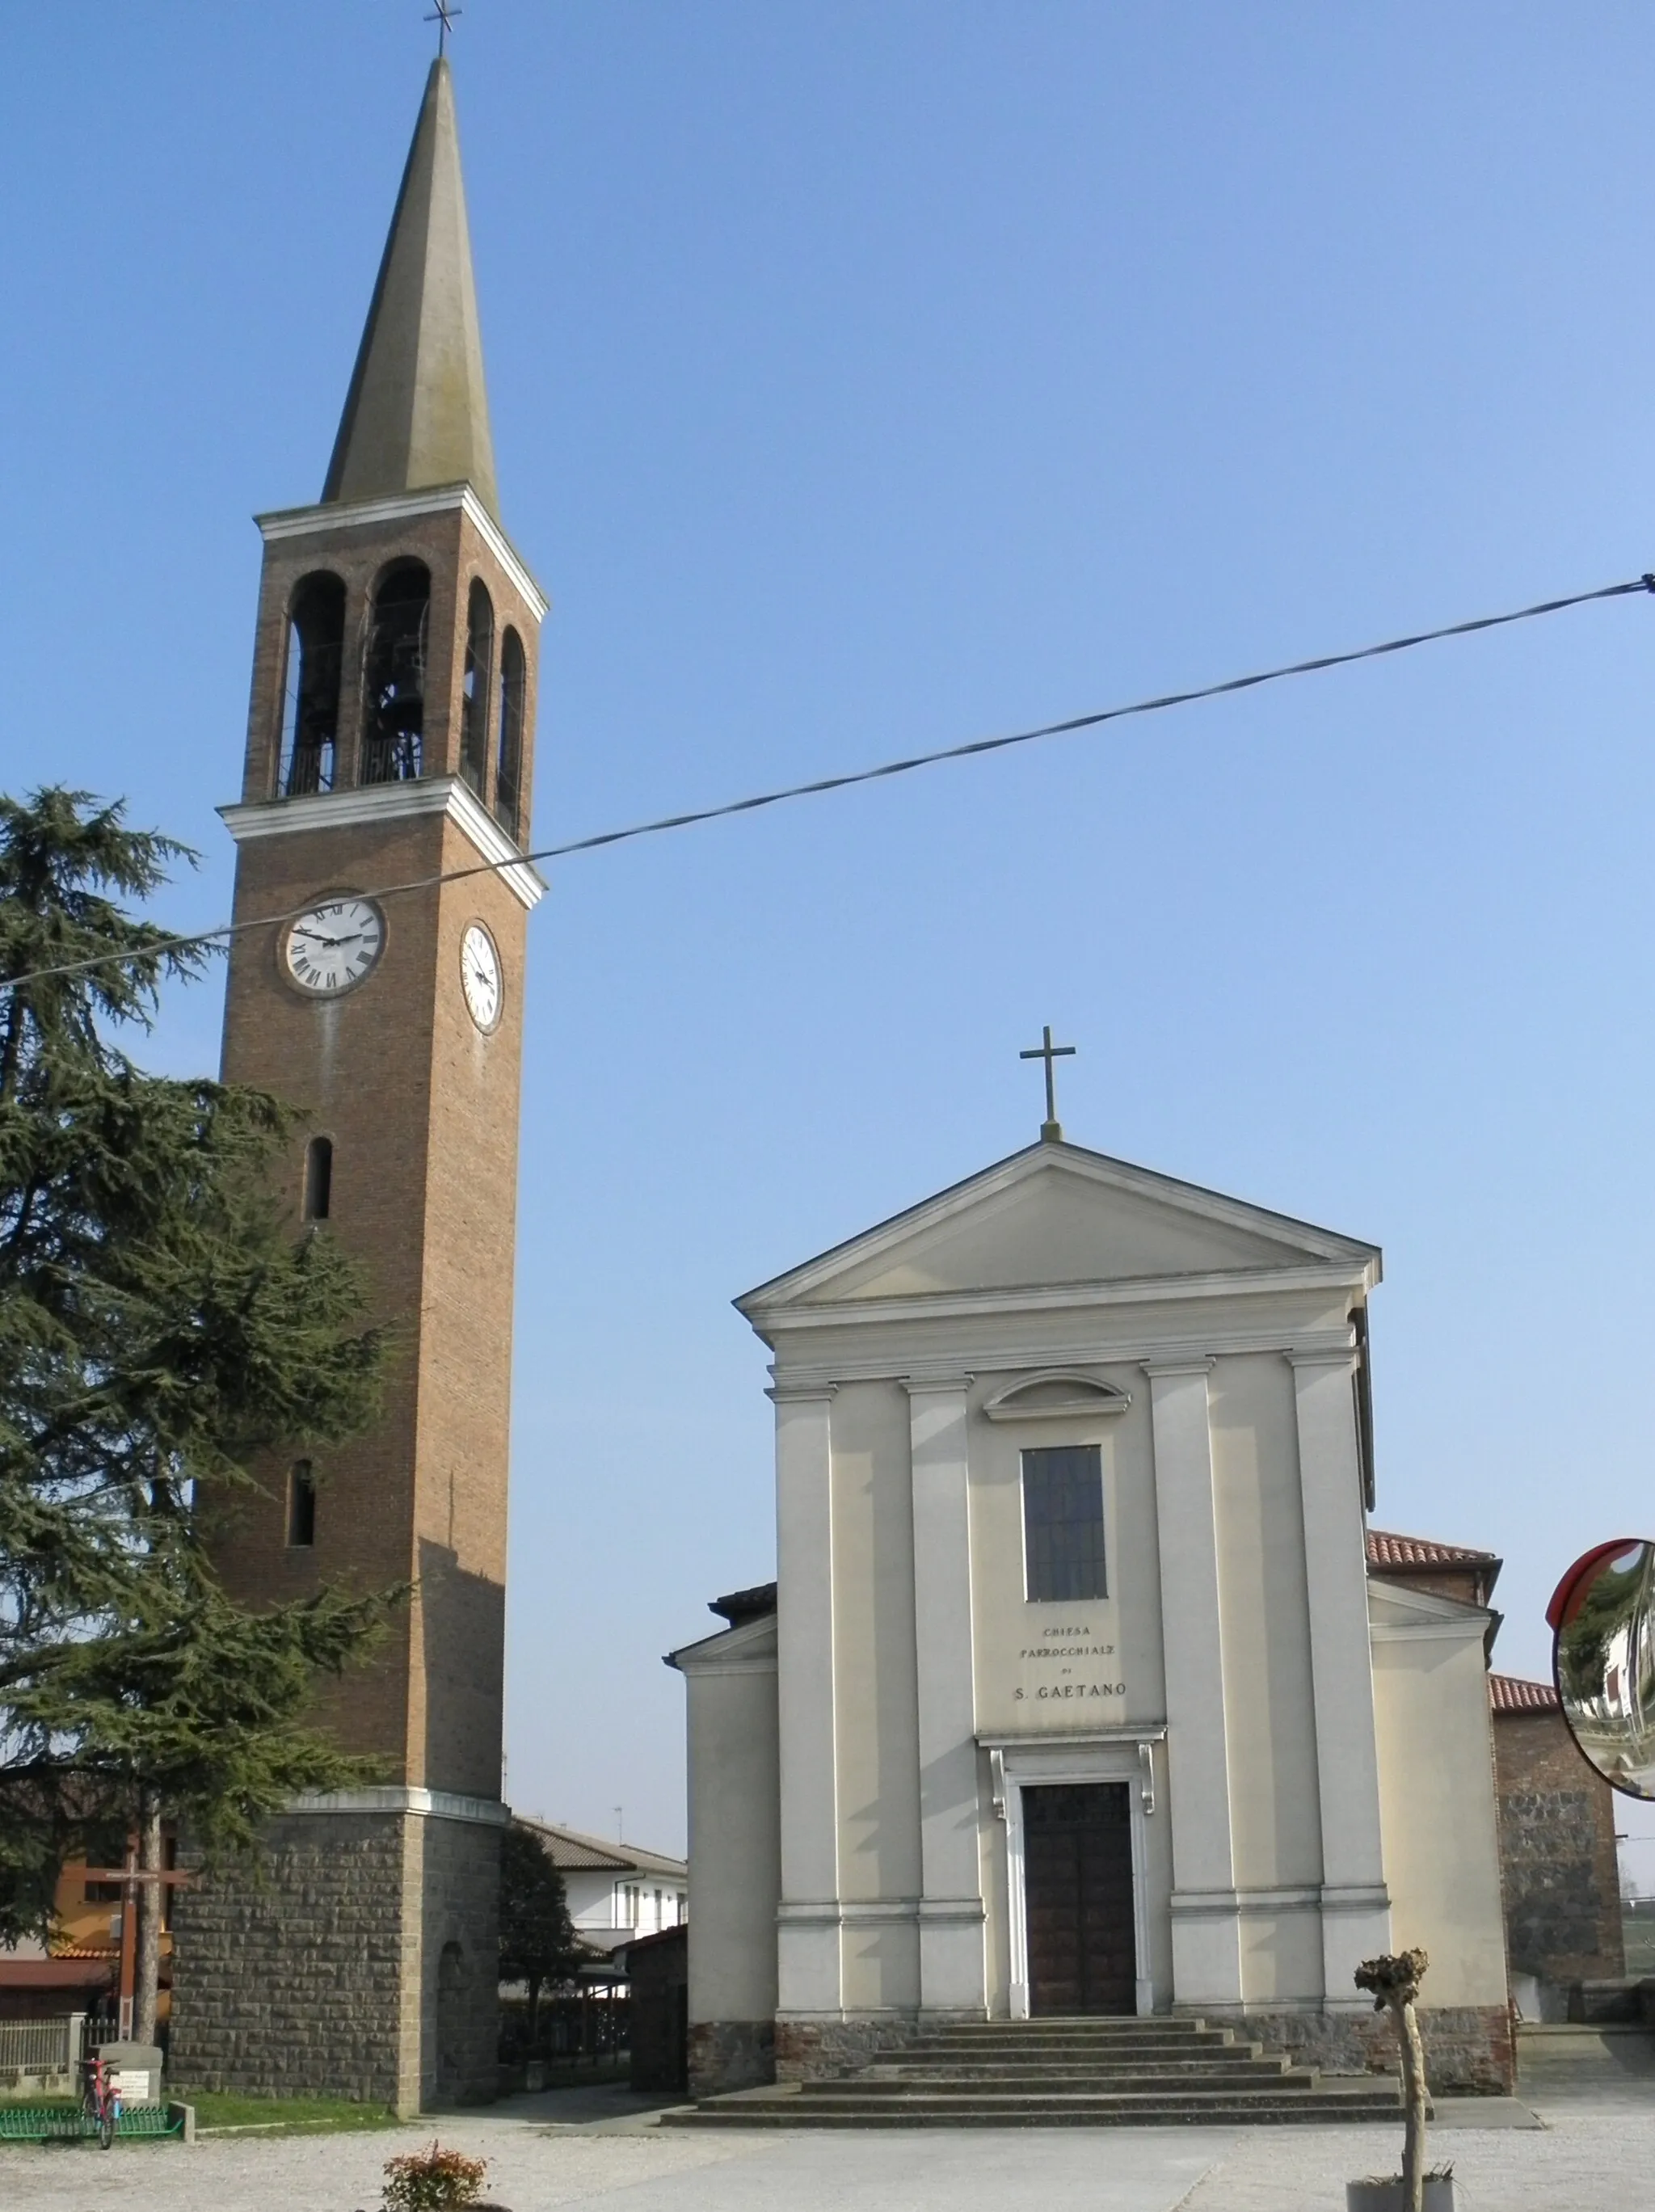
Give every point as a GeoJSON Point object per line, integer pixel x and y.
{"type": "Point", "coordinates": [479, 977]}
{"type": "Point", "coordinates": [334, 946]}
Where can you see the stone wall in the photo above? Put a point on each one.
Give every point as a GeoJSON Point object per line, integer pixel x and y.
{"type": "Point", "coordinates": [1468, 2048]}
{"type": "Point", "coordinates": [731, 2054]}
{"type": "Point", "coordinates": [460, 2039]}
{"type": "Point", "coordinates": [818, 2050]}
{"type": "Point", "coordinates": [1557, 1853]}
{"type": "Point", "coordinates": [292, 1981]}
{"type": "Point", "coordinates": [360, 1961]}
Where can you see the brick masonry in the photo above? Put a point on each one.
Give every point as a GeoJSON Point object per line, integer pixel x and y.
{"type": "Point", "coordinates": [362, 1959]}
{"type": "Point", "coordinates": [1556, 1853]}
{"type": "Point", "coordinates": [360, 1962]}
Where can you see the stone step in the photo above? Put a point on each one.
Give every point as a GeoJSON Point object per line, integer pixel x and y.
{"type": "Point", "coordinates": [1157, 2080]}
{"type": "Point", "coordinates": [1114, 2054]}
{"type": "Point", "coordinates": [785, 2109]}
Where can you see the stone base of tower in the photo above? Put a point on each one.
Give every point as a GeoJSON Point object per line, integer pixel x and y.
{"type": "Point", "coordinates": [361, 1961]}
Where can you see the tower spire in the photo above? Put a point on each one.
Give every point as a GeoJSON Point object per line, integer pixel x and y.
{"type": "Point", "coordinates": [417, 411]}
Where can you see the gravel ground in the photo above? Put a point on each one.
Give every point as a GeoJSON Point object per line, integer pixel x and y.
{"type": "Point", "coordinates": [1590, 2156]}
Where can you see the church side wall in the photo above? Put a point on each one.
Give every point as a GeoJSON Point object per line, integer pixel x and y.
{"type": "Point", "coordinates": [735, 1856]}
{"type": "Point", "coordinates": [876, 1696]}
{"type": "Point", "coordinates": [1442, 1852]}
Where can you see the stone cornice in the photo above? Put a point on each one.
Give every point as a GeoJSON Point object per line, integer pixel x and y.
{"type": "Point", "coordinates": [361, 514]}
{"type": "Point", "coordinates": [399, 1799]}
{"type": "Point", "coordinates": [800, 1377]}
{"type": "Point", "coordinates": [372, 803]}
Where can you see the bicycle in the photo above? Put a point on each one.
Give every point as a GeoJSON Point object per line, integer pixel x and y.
{"type": "Point", "coordinates": [101, 2100]}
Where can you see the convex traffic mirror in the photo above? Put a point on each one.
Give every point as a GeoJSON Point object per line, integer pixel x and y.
{"type": "Point", "coordinates": [1603, 1621]}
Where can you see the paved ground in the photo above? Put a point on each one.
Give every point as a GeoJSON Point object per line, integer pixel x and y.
{"type": "Point", "coordinates": [1585, 2141]}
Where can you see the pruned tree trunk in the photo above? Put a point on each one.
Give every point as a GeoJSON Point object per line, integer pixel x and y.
{"type": "Point", "coordinates": [151, 1907]}
{"type": "Point", "coordinates": [1394, 1983]}
{"type": "Point", "coordinates": [1413, 2077]}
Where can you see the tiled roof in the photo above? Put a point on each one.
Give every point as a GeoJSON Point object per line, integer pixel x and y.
{"type": "Point", "coordinates": [1419, 1552]}
{"type": "Point", "coordinates": [742, 1606]}
{"type": "Point", "coordinates": [573, 1851]}
{"type": "Point", "coordinates": [1509, 1693]}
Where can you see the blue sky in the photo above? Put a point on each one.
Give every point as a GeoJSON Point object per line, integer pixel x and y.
{"type": "Point", "coordinates": [871, 378]}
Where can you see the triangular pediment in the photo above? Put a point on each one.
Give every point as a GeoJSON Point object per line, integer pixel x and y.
{"type": "Point", "coordinates": [1055, 1216]}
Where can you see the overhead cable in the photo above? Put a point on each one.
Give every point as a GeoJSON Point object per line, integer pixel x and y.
{"type": "Point", "coordinates": [821, 785]}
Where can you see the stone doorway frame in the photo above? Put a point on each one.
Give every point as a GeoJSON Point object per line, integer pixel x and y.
{"type": "Point", "coordinates": [1023, 1762]}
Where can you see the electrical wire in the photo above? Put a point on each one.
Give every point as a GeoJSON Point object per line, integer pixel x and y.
{"type": "Point", "coordinates": [821, 785]}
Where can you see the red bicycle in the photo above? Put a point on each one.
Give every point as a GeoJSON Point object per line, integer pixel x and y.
{"type": "Point", "coordinates": [101, 2100]}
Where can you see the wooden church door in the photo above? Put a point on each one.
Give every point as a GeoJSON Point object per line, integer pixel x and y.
{"type": "Point", "coordinates": [1077, 1882]}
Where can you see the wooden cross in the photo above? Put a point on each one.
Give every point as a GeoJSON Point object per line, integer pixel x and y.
{"type": "Point", "coordinates": [443, 16]}
{"type": "Point", "coordinates": [1050, 1128]}
{"type": "Point", "coordinates": [130, 1877]}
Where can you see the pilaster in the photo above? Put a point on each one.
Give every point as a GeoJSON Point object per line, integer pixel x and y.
{"type": "Point", "coordinates": [952, 1962]}
{"type": "Point", "coordinates": [1355, 1904]}
{"type": "Point", "coordinates": [809, 1980]}
{"type": "Point", "coordinates": [1206, 1922]}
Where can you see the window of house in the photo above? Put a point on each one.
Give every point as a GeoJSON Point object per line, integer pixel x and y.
{"type": "Point", "coordinates": [301, 1505]}
{"type": "Point", "coordinates": [1062, 1524]}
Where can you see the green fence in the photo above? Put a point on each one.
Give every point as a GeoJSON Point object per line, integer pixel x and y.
{"type": "Point", "coordinates": [68, 2123]}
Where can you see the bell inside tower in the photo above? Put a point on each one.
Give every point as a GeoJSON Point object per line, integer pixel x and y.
{"type": "Point", "coordinates": [310, 715]}
{"type": "Point", "coordinates": [393, 705]}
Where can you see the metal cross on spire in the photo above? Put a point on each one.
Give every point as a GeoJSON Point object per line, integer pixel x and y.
{"type": "Point", "coordinates": [1050, 1128]}
{"type": "Point", "coordinates": [443, 16]}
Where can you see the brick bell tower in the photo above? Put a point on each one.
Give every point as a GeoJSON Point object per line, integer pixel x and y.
{"type": "Point", "coordinates": [391, 741]}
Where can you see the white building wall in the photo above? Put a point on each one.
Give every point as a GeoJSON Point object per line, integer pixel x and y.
{"type": "Point", "coordinates": [735, 1835]}
{"type": "Point", "coordinates": [1441, 1842]}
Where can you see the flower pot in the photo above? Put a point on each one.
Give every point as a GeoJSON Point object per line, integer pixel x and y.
{"type": "Point", "coordinates": [1386, 2195]}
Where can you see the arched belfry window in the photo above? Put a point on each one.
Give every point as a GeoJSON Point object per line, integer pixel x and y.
{"type": "Point", "coordinates": [508, 772]}
{"type": "Point", "coordinates": [309, 705]}
{"type": "Point", "coordinates": [477, 686]}
{"type": "Point", "coordinates": [393, 703]}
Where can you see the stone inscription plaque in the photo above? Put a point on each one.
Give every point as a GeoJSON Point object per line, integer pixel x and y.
{"type": "Point", "coordinates": [1071, 1666]}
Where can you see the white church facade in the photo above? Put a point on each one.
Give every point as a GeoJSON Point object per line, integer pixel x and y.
{"type": "Point", "coordinates": [1074, 1694]}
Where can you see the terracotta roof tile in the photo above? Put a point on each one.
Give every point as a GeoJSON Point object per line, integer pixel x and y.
{"type": "Point", "coordinates": [1388, 1551]}
{"type": "Point", "coordinates": [1509, 1693]}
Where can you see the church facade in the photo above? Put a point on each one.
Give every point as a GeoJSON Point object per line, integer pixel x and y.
{"type": "Point", "coordinates": [1074, 1694]}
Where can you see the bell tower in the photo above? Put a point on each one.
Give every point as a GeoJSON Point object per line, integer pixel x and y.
{"type": "Point", "coordinates": [384, 810]}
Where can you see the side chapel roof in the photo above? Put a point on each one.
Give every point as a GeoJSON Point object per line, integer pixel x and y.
{"type": "Point", "coordinates": [417, 414]}
{"type": "Point", "coordinates": [1509, 1693]}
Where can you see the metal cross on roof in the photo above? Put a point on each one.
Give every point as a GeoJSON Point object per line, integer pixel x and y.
{"type": "Point", "coordinates": [443, 16]}
{"type": "Point", "coordinates": [1050, 1128]}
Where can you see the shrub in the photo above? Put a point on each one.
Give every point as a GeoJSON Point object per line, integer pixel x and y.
{"type": "Point", "coordinates": [433, 2180]}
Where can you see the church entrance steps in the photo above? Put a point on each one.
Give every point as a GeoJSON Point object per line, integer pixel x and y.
{"type": "Point", "coordinates": [1052, 2073]}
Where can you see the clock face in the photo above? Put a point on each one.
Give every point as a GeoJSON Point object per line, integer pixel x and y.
{"type": "Point", "coordinates": [333, 946]}
{"type": "Point", "coordinates": [480, 976]}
